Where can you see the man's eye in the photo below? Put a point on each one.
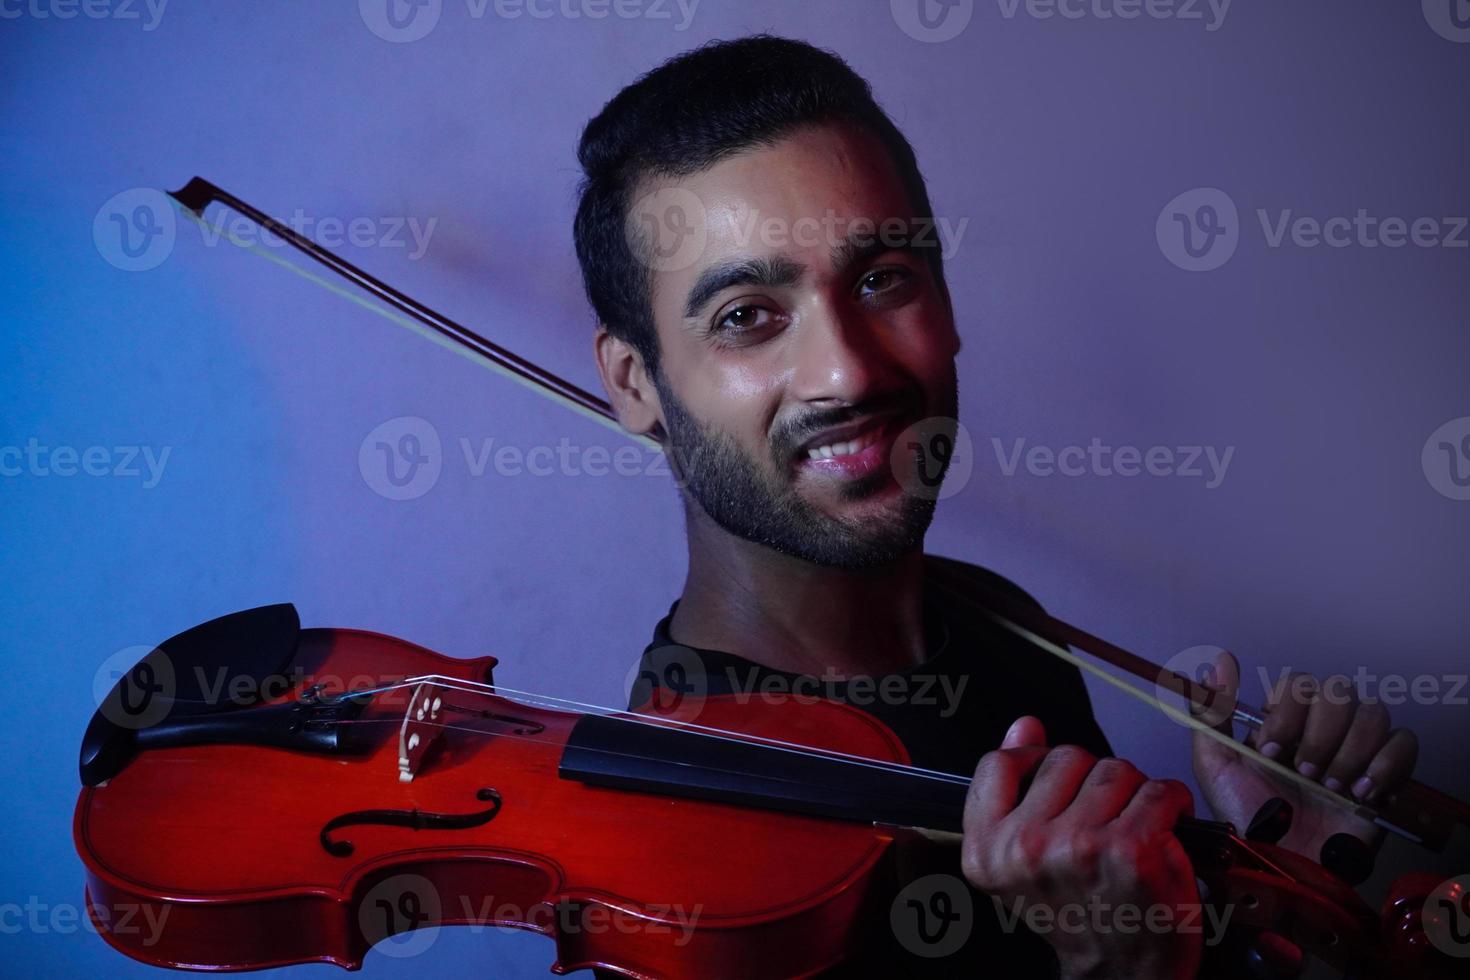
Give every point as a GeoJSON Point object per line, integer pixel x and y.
{"type": "Point", "coordinates": [882, 281]}
{"type": "Point", "coordinates": [742, 319]}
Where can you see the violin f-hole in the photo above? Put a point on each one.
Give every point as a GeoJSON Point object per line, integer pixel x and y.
{"type": "Point", "coordinates": [414, 819]}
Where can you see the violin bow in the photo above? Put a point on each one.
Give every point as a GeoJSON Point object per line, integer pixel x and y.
{"type": "Point", "coordinates": [1412, 810]}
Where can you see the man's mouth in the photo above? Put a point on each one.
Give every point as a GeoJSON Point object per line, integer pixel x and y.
{"type": "Point", "coordinates": [849, 451]}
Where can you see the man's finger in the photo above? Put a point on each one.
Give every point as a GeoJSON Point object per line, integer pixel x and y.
{"type": "Point", "coordinates": [1367, 734]}
{"type": "Point", "coordinates": [1286, 715]}
{"type": "Point", "coordinates": [1391, 766]}
{"type": "Point", "coordinates": [996, 785]}
{"type": "Point", "coordinates": [1025, 730]}
{"type": "Point", "coordinates": [1328, 719]}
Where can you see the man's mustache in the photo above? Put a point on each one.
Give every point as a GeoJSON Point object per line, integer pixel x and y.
{"type": "Point", "coordinates": [795, 432]}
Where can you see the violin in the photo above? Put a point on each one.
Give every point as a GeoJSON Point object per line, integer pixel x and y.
{"type": "Point", "coordinates": [354, 786]}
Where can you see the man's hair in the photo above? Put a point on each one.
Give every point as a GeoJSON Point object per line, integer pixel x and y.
{"type": "Point", "coordinates": [685, 116]}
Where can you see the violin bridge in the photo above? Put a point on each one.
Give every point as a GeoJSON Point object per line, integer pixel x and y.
{"type": "Point", "coordinates": [421, 729]}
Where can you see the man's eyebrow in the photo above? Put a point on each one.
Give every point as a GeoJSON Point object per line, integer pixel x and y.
{"type": "Point", "coordinates": [773, 271]}
{"type": "Point", "coordinates": [857, 249]}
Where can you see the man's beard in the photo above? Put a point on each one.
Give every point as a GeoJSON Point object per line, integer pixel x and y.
{"type": "Point", "coordinates": [737, 495]}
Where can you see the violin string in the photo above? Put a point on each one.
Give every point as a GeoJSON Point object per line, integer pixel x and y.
{"type": "Point", "coordinates": [556, 703]}
{"type": "Point", "coordinates": [548, 740]}
{"type": "Point", "coordinates": [1188, 721]}
{"type": "Point", "coordinates": [885, 797]}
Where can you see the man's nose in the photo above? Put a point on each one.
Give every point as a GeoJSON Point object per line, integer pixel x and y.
{"type": "Point", "coordinates": [841, 357]}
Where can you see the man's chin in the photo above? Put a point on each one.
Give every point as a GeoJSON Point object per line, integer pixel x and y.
{"type": "Point", "coordinates": [843, 499]}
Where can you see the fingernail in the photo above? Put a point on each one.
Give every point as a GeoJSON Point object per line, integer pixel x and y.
{"type": "Point", "coordinates": [1308, 769]}
{"type": "Point", "coordinates": [1271, 750]}
{"type": "Point", "coordinates": [1362, 788]}
{"type": "Point", "coordinates": [1333, 783]}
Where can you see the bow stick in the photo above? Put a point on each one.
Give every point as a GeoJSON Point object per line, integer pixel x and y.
{"type": "Point", "coordinates": [1412, 810]}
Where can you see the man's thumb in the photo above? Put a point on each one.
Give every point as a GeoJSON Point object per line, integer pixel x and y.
{"type": "Point", "coordinates": [1026, 730]}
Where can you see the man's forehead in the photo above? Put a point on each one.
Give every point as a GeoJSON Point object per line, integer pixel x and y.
{"type": "Point", "coordinates": [817, 198]}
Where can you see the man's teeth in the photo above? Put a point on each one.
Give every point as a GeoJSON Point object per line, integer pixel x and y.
{"type": "Point", "coordinates": [843, 448]}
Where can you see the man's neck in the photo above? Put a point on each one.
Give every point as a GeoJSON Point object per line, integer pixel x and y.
{"type": "Point", "coordinates": [793, 615]}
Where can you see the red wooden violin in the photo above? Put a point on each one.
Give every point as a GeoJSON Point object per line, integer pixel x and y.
{"type": "Point", "coordinates": [352, 786]}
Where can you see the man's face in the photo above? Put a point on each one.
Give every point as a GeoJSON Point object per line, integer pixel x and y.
{"type": "Point", "coordinates": [798, 343]}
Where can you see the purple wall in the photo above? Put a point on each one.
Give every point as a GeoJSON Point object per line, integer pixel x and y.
{"type": "Point", "coordinates": [1059, 147]}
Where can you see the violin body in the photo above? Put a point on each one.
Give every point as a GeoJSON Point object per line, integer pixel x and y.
{"type": "Point", "coordinates": [251, 856]}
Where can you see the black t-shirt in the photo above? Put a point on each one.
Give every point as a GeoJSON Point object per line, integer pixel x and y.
{"type": "Point", "coordinates": [948, 711]}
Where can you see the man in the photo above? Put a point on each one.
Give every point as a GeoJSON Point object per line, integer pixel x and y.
{"type": "Point", "coordinates": [756, 240]}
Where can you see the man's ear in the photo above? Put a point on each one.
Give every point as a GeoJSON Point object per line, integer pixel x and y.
{"type": "Point", "coordinates": [630, 390]}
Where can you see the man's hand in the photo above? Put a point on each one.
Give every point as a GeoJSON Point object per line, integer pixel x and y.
{"type": "Point", "coordinates": [1087, 834]}
{"type": "Point", "coordinates": [1318, 728]}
